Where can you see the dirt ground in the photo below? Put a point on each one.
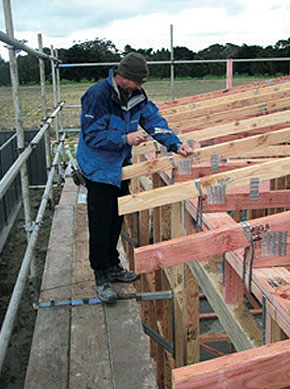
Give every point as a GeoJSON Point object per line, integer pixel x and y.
{"type": "Point", "coordinates": [14, 370]}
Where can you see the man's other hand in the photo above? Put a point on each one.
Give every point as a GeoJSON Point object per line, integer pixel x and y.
{"type": "Point", "coordinates": [135, 138]}
{"type": "Point", "coordinates": [185, 150]}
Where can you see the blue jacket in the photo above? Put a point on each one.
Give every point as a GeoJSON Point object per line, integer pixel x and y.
{"type": "Point", "coordinates": [105, 123]}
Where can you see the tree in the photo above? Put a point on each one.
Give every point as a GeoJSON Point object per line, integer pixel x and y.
{"type": "Point", "coordinates": [96, 50]}
{"type": "Point", "coordinates": [160, 71]}
{"type": "Point", "coordinates": [4, 73]}
{"type": "Point", "coordinates": [99, 50]}
{"type": "Point", "coordinates": [28, 69]}
{"type": "Point", "coordinates": [199, 70]}
{"type": "Point", "coordinates": [182, 53]}
{"type": "Point", "coordinates": [247, 52]}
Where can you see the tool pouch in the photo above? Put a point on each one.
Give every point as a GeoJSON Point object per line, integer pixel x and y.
{"type": "Point", "coordinates": [77, 176]}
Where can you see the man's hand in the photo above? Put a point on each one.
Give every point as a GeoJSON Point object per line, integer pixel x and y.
{"type": "Point", "coordinates": [185, 150]}
{"type": "Point", "coordinates": [135, 138]}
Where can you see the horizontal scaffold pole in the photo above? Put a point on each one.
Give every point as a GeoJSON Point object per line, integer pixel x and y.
{"type": "Point", "coordinates": [20, 45]}
{"type": "Point", "coordinates": [235, 127]}
{"type": "Point", "coordinates": [204, 245]}
{"type": "Point", "coordinates": [191, 189]}
{"type": "Point", "coordinates": [228, 149]}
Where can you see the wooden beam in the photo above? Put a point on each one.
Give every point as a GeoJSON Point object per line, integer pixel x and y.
{"type": "Point", "coordinates": [256, 87]}
{"type": "Point", "coordinates": [181, 123]}
{"type": "Point", "coordinates": [240, 201]}
{"type": "Point", "coordinates": [243, 330]}
{"type": "Point", "coordinates": [228, 149]}
{"type": "Point", "coordinates": [223, 103]}
{"type": "Point", "coordinates": [235, 258]}
{"type": "Point", "coordinates": [204, 168]}
{"type": "Point", "coordinates": [212, 337]}
{"type": "Point", "coordinates": [273, 283]}
{"type": "Point", "coordinates": [233, 290]}
{"type": "Point", "coordinates": [211, 350]}
{"type": "Point", "coordinates": [190, 307]}
{"type": "Point", "coordinates": [263, 367]}
{"type": "Point", "coordinates": [269, 151]}
{"type": "Point", "coordinates": [223, 129]}
{"type": "Point", "coordinates": [203, 245]}
{"type": "Point", "coordinates": [186, 190]}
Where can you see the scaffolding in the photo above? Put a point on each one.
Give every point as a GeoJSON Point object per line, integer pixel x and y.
{"type": "Point", "coordinates": [32, 227]}
{"type": "Point", "coordinates": [212, 227]}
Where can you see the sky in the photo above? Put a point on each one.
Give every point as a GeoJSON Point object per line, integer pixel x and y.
{"type": "Point", "coordinates": [145, 24]}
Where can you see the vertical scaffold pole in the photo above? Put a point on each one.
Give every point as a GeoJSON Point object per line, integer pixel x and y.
{"type": "Point", "coordinates": [59, 100]}
{"type": "Point", "coordinates": [44, 102]}
{"type": "Point", "coordinates": [19, 125]}
{"type": "Point", "coordinates": [172, 65]}
{"type": "Point", "coordinates": [54, 88]}
{"type": "Point", "coordinates": [44, 113]}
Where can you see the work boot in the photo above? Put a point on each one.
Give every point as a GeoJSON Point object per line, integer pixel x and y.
{"type": "Point", "coordinates": [117, 274]}
{"type": "Point", "coordinates": [105, 291]}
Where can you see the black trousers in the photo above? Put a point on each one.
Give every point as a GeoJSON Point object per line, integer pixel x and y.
{"type": "Point", "coordinates": [104, 223]}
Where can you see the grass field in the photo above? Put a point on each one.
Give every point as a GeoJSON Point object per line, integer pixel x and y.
{"type": "Point", "coordinates": [71, 93]}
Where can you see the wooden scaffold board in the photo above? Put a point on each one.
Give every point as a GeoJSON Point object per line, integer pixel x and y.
{"type": "Point", "coordinates": [78, 341]}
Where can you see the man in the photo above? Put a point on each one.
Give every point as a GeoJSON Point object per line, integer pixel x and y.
{"type": "Point", "coordinates": [112, 110]}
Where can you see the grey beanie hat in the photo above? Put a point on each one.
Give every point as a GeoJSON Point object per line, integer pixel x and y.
{"type": "Point", "coordinates": [134, 67]}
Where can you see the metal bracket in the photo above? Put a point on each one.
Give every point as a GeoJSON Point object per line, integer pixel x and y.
{"type": "Point", "coordinates": [249, 236]}
{"type": "Point", "coordinates": [163, 151]}
{"type": "Point", "coordinates": [155, 143]}
{"type": "Point", "coordinates": [216, 194]}
{"type": "Point", "coordinates": [254, 188]}
{"type": "Point", "coordinates": [274, 243]}
{"type": "Point", "coordinates": [264, 315]}
{"type": "Point", "coordinates": [174, 167]}
{"type": "Point", "coordinates": [184, 166]}
{"type": "Point", "coordinates": [199, 204]}
{"type": "Point", "coordinates": [224, 268]}
{"type": "Point", "coordinates": [172, 162]}
{"type": "Point", "coordinates": [214, 163]}
{"type": "Point", "coordinates": [73, 303]}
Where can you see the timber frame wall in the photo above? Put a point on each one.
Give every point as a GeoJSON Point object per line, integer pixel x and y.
{"type": "Point", "coordinates": [247, 128]}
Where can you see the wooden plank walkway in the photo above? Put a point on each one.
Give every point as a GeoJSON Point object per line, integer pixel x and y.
{"type": "Point", "coordinates": [87, 345]}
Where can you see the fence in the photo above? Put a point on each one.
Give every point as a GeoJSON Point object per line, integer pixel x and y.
{"type": "Point", "coordinates": [37, 175]}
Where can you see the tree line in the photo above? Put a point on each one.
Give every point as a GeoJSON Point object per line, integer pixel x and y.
{"type": "Point", "coordinates": [99, 50]}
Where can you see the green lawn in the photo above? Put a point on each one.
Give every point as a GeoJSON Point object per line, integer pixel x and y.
{"type": "Point", "coordinates": [71, 93]}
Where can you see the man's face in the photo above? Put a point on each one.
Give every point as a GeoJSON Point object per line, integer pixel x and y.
{"type": "Point", "coordinates": [129, 86]}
